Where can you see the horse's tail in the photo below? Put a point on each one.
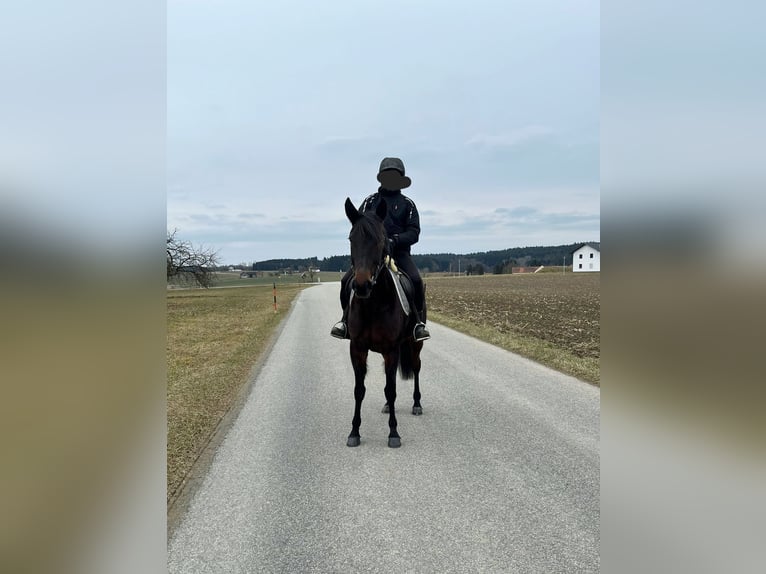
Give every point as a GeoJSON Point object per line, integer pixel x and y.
{"type": "Point", "coordinates": [406, 368]}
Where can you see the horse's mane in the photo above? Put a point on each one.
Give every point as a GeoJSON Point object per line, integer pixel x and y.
{"type": "Point", "coordinates": [370, 226]}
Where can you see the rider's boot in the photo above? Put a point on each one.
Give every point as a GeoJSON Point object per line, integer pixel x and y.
{"type": "Point", "coordinates": [340, 329]}
{"type": "Point", "coordinates": [420, 333]}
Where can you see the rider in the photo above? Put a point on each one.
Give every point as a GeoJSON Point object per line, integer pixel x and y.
{"type": "Point", "coordinates": [402, 225]}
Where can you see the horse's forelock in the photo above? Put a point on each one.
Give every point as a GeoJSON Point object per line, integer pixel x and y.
{"type": "Point", "coordinates": [370, 227]}
{"type": "Point", "coordinates": [367, 238]}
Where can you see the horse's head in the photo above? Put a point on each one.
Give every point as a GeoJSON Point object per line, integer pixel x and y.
{"type": "Point", "coordinates": [368, 246]}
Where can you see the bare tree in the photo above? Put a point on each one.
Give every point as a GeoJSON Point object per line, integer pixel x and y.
{"type": "Point", "coordinates": [189, 264]}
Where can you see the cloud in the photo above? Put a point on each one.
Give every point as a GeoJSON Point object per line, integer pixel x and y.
{"type": "Point", "coordinates": [501, 228]}
{"type": "Point", "coordinates": [508, 139]}
{"type": "Point", "coordinates": [497, 145]}
{"type": "Point", "coordinates": [249, 236]}
{"type": "Point", "coordinates": [330, 141]}
{"type": "Point", "coordinates": [351, 154]}
{"type": "Point", "coordinates": [516, 211]}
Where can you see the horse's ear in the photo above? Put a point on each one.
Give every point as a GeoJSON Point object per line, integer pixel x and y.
{"type": "Point", "coordinates": [382, 209]}
{"type": "Point", "coordinates": [351, 212]}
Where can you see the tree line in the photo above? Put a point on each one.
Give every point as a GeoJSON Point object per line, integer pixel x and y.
{"type": "Point", "coordinates": [197, 265]}
{"type": "Point", "coordinates": [500, 261]}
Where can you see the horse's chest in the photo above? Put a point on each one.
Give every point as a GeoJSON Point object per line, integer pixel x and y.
{"type": "Point", "coordinates": [380, 336]}
{"type": "Point", "coordinates": [381, 344]}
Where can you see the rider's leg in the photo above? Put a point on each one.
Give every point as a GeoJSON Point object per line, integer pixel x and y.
{"type": "Point", "coordinates": [340, 329]}
{"type": "Point", "coordinates": [405, 263]}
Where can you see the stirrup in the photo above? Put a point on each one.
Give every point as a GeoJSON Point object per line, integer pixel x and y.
{"type": "Point", "coordinates": [339, 330]}
{"type": "Point", "coordinates": [424, 334]}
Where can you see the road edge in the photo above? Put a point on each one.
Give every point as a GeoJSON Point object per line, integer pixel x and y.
{"type": "Point", "coordinates": [179, 504]}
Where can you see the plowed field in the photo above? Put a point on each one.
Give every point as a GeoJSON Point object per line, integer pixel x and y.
{"type": "Point", "coordinates": [560, 309]}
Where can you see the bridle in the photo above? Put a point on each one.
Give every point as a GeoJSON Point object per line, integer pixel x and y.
{"type": "Point", "coordinates": [380, 266]}
{"type": "Point", "coordinates": [378, 269]}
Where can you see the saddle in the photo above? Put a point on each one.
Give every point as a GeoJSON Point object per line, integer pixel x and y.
{"type": "Point", "coordinates": [404, 287]}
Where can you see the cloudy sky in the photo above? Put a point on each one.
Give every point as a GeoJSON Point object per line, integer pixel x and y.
{"type": "Point", "coordinates": [279, 111]}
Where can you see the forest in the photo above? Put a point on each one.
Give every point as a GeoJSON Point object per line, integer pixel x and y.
{"type": "Point", "coordinates": [498, 262]}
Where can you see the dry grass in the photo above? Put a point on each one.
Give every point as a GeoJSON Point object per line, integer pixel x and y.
{"type": "Point", "coordinates": [213, 339]}
{"type": "Point", "coordinates": [552, 318]}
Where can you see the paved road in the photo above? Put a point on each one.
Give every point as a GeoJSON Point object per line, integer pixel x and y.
{"type": "Point", "coordinates": [500, 473]}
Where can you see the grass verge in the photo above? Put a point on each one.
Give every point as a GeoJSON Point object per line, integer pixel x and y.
{"type": "Point", "coordinates": [214, 337]}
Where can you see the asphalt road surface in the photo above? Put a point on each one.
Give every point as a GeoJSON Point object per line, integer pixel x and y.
{"type": "Point", "coordinates": [499, 474]}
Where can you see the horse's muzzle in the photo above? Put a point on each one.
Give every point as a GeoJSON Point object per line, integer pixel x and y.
{"type": "Point", "coordinates": [362, 290]}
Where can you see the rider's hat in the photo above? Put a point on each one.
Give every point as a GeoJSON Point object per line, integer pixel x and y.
{"type": "Point", "coordinates": [391, 174]}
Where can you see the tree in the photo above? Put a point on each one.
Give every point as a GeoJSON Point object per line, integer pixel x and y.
{"type": "Point", "coordinates": [504, 267]}
{"type": "Point", "coordinates": [190, 264]}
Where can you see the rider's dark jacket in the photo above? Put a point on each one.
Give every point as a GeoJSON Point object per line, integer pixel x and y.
{"type": "Point", "coordinates": [402, 221]}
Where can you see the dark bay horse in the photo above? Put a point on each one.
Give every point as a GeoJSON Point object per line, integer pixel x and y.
{"type": "Point", "coordinates": [376, 321]}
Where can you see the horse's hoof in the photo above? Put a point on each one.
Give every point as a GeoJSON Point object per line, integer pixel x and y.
{"type": "Point", "coordinates": [385, 408]}
{"type": "Point", "coordinates": [417, 410]}
{"type": "Point", "coordinates": [394, 442]}
{"type": "Point", "coordinates": [353, 441]}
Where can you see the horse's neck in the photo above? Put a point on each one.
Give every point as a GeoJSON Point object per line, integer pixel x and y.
{"type": "Point", "coordinates": [384, 289]}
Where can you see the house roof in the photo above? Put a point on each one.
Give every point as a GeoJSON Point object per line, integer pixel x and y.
{"type": "Point", "coordinates": [596, 246]}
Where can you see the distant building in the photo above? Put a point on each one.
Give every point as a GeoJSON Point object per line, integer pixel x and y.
{"type": "Point", "coordinates": [586, 258]}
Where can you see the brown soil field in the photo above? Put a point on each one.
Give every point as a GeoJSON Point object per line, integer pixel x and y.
{"type": "Point", "coordinates": [559, 310]}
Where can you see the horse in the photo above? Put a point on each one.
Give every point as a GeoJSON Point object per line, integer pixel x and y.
{"type": "Point", "coordinates": [376, 320]}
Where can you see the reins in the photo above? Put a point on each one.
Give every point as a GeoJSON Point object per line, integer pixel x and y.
{"type": "Point", "coordinates": [381, 266]}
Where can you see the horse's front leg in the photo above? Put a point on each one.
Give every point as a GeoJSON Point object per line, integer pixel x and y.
{"type": "Point", "coordinates": [359, 362]}
{"type": "Point", "coordinates": [392, 363]}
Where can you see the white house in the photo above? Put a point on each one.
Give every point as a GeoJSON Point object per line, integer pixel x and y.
{"type": "Point", "coordinates": [586, 258]}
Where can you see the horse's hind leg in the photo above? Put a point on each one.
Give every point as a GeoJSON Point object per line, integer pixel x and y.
{"type": "Point", "coordinates": [392, 363]}
{"type": "Point", "coordinates": [359, 362]}
{"type": "Point", "coordinates": [417, 409]}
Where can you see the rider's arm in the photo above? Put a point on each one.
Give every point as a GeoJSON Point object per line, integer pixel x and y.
{"type": "Point", "coordinates": [411, 233]}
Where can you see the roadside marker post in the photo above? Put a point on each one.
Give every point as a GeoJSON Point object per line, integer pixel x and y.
{"type": "Point", "coordinates": [275, 297]}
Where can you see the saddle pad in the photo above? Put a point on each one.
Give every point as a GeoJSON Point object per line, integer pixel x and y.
{"type": "Point", "coordinates": [400, 292]}
{"type": "Point", "coordinates": [396, 276]}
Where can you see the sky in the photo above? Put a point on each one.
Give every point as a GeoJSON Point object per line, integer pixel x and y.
{"type": "Point", "coordinates": [276, 112]}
